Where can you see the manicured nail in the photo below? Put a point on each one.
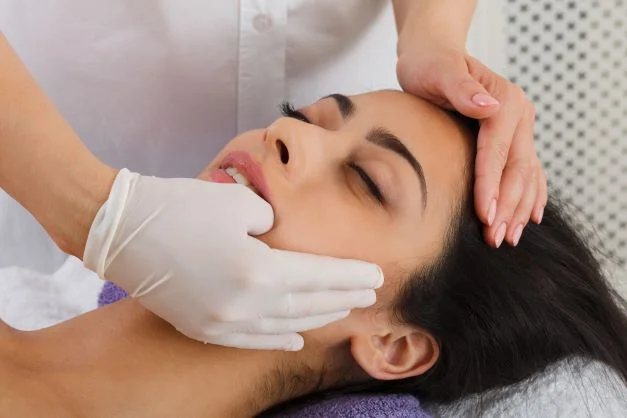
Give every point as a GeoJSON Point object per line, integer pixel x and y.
{"type": "Point", "coordinates": [540, 215]}
{"type": "Point", "coordinates": [500, 234]}
{"type": "Point", "coordinates": [481, 99]}
{"type": "Point", "coordinates": [492, 212]}
{"type": "Point", "coordinates": [517, 234]}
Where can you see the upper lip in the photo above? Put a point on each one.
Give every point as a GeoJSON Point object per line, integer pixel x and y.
{"type": "Point", "coordinates": [244, 163]}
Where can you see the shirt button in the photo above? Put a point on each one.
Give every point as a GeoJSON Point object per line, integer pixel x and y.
{"type": "Point", "coordinates": [262, 22]}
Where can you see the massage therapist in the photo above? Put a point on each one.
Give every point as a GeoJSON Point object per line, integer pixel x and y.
{"type": "Point", "coordinates": [159, 86]}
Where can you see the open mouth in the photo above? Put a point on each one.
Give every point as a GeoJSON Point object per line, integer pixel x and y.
{"type": "Point", "coordinates": [240, 178]}
{"type": "Point", "coordinates": [241, 168]}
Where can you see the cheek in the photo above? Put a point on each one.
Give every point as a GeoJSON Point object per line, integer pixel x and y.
{"type": "Point", "coordinates": [359, 322]}
{"type": "Point", "coordinates": [325, 222]}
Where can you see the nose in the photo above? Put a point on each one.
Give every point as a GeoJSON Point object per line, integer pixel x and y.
{"type": "Point", "coordinates": [299, 149]}
{"type": "Point", "coordinates": [284, 153]}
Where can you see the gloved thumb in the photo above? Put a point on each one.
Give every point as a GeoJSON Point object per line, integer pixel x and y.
{"type": "Point", "coordinates": [467, 95]}
{"type": "Point", "coordinates": [285, 342]}
{"type": "Point", "coordinates": [257, 214]}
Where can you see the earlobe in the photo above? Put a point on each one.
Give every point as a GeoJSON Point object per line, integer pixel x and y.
{"type": "Point", "coordinates": [396, 355]}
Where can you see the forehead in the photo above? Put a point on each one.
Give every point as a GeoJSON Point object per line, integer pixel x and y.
{"type": "Point", "coordinates": [436, 138]}
{"type": "Point", "coordinates": [418, 123]}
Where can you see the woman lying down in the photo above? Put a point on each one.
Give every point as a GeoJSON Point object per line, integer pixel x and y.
{"type": "Point", "coordinates": [383, 177]}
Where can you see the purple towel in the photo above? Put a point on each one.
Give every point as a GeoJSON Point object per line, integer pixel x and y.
{"type": "Point", "coordinates": [110, 293]}
{"type": "Point", "coordinates": [362, 406]}
{"type": "Point", "coordinates": [349, 406]}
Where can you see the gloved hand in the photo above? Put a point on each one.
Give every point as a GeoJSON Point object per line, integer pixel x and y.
{"type": "Point", "coordinates": [182, 248]}
{"type": "Point", "coordinates": [510, 185]}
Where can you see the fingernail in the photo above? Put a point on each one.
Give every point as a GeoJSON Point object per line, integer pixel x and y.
{"type": "Point", "coordinates": [296, 344]}
{"type": "Point", "coordinates": [540, 215]}
{"type": "Point", "coordinates": [517, 234]}
{"type": "Point", "coordinates": [343, 314]}
{"type": "Point", "coordinates": [381, 279]}
{"type": "Point", "coordinates": [481, 99]}
{"type": "Point", "coordinates": [500, 234]}
{"type": "Point", "coordinates": [368, 300]}
{"type": "Point", "coordinates": [492, 212]}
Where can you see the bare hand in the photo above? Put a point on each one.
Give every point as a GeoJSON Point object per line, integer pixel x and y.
{"type": "Point", "coordinates": [510, 184]}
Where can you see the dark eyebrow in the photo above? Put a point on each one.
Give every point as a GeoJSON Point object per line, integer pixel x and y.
{"type": "Point", "coordinates": [385, 139]}
{"type": "Point", "coordinates": [346, 106]}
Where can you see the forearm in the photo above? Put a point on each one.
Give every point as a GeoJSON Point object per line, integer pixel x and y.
{"type": "Point", "coordinates": [43, 163]}
{"type": "Point", "coordinates": [112, 361]}
{"type": "Point", "coordinates": [446, 19]}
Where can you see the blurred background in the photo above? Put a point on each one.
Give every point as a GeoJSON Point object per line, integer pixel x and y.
{"type": "Point", "coordinates": [571, 59]}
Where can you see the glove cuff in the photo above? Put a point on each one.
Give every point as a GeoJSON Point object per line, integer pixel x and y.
{"type": "Point", "coordinates": [106, 223]}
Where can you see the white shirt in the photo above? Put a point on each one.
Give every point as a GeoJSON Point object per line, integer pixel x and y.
{"type": "Point", "coordinates": [159, 86]}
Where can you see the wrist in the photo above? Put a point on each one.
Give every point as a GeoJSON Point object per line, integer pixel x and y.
{"type": "Point", "coordinates": [426, 39]}
{"type": "Point", "coordinates": [443, 22]}
{"type": "Point", "coordinates": [86, 191]}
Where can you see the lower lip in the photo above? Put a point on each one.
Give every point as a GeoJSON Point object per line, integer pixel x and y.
{"type": "Point", "coordinates": [220, 176]}
{"type": "Point", "coordinates": [247, 166]}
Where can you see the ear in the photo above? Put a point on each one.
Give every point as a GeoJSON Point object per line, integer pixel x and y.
{"type": "Point", "coordinates": [395, 354]}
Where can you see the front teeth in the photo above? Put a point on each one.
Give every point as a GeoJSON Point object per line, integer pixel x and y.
{"type": "Point", "coordinates": [239, 178]}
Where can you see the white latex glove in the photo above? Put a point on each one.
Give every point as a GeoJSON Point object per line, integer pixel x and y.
{"type": "Point", "coordinates": [183, 248]}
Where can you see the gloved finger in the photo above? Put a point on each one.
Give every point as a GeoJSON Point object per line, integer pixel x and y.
{"type": "Point", "coordinates": [257, 214]}
{"type": "Point", "coordinates": [309, 272]}
{"type": "Point", "coordinates": [466, 94]}
{"type": "Point", "coordinates": [301, 305]}
{"type": "Point", "coordinates": [493, 144]}
{"type": "Point", "coordinates": [521, 216]}
{"type": "Point", "coordinates": [276, 325]}
{"type": "Point", "coordinates": [542, 197]}
{"type": "Point", "coordinates": [284, 342]}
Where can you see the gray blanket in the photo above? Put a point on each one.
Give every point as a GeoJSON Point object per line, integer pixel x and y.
{"type": "Point", "coordinates": [569, 389]}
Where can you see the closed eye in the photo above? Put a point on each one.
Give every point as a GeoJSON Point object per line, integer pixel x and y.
{"type": "Point", "coordinates": [288, 110]}
{"type": "Point", "coordinates": [373, 188]}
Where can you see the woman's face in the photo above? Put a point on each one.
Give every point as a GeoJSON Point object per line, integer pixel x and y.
{"type": "Point", "coordinates": [372, 177]}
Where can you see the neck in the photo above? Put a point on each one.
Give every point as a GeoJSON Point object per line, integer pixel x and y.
{"type": "Point", "coordinates": [123, 360]}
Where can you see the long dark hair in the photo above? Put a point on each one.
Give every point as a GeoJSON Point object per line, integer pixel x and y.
{"type": "Point", "coordinates": [501, 315]}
